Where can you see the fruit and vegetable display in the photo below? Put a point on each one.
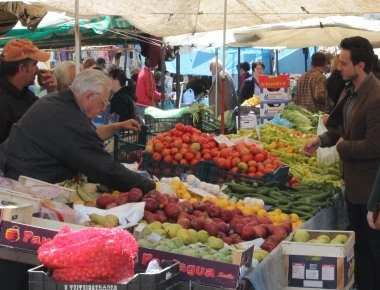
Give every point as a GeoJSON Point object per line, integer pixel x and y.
{"type": "Point", "coordinates": [187, 145]}
{"type": "Point", "coordinates": [252, 101]}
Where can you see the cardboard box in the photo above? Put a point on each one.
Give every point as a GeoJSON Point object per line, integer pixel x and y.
{"type": "Point", "coordinates": [30, 237]}
{"type": "Point", "coordinates": [20, 198]}
{"type": "Point", "coordinates": [275, 94]}
{"type": "Point", "coordinates": [271, 108]}
{"type": "Point", "coordinates": [60, 193]}
{"type": "Point", "coordinates": [319, 266]}
{"type": "Point", "coordinates": [201, 270]}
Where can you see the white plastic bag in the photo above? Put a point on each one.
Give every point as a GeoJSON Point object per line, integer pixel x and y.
{"type": "Point", "coordinates": [325, 156]}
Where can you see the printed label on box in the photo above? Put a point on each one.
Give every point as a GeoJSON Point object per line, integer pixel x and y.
{"type": "Point", "coordinates": [298, 271]}
{"type": "Point", "coordinates": [281, 81]}
{"type": "Point", "coordinates": [248, 121]}
{"type": "Point", "coordinates": [328, 272]}
{"type": "Point", "coordinates": [312, 274]}
{"type": "Point", "coordinates": [280, 94]}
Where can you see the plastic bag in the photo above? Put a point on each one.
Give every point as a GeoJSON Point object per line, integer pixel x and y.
{"type": "Point", "coordinates": [90, 255]}
{"type": "Point", "coordinates": [325, 156]}
{"type": "Point", "coordinates": [188, 97]}
{"type": "Point", "coordinates": [277, 120]}
{"type": "Point", "coordinates": [58, 211]}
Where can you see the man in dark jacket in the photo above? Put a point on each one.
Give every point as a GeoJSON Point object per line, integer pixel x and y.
{"type": "Point", "coordinates": [18, 69]}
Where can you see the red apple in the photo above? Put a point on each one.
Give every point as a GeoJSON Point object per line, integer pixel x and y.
{"type": "Point", "coordinates": [172, 210]}
{"type": "Point", "coordinates": [214, 210]}
{"type": "Point", "coordinates": [135, 195]}
{"type": "Point", "coordinates": [261, 232]}
{"type": "Point", "coordinates": [226, 215]}
{"type": "Point", "coordinates": [184, 222]}
{"type": "Point", "coordinates": [248, 233]}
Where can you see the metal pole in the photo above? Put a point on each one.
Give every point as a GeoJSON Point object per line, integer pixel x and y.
{"type": "Point", "coordinates": [216, 80]}
{"type": "Point", "coordinates": [178, 80]}
{"type": "Point", "coordinates": [222, 107]}
{"type": "Point", "coordinates": [77, 38]}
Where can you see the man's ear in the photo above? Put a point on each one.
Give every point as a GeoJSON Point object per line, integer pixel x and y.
{"type": "Point", "coordinates": [22, 68]}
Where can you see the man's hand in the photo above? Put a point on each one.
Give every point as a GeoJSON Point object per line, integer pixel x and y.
{"type": "Point", "coordinates": [311, 146]}
{"type": "Point", "coordinates": [49, 81]}
{"type": "Point", "coordinates": [130, 124]}
{"type": "Point", "coordinates": [371, 221]}
{"type": "Point", "coordinates": [339, 141]}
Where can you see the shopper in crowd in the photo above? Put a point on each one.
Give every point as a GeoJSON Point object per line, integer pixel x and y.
{"type": "Point", "coordinates": [65, 74]}
{"type": "Point", "coordinates": [89, 63]}
{"type": "Point", "coordinates": [311, 87]}
{"type": "Point", "coordinates": [101, 63]}
{"type": "Point", "coordinates": [146, 89]}
{"type": "Point", "coordinates": [354, 127]}
{"type": "Point", "coordinates": [121, 102]}
{"type": "Point", "coordinates": [251, 85]}
{"type": "Point", "coordinates": [168, 84]}
{"type": "Point", "coordinates": [334, 83]}
{"type": "Point", "coordinates": [230, 98]}
{"type": "Point", "coordinates": [18, 69]}
{"type": "Point", "coordinates": [243, 69]}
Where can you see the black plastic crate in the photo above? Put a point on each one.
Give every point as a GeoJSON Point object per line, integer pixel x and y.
{"type": "Point", "coordinates": [160, 125]}
{"type": "Point", "coordinates": [207, 123]}
{"type": "Point", "coordinates": [167, 279]}
{"type": "Point", "coordinates": [126, 152]}
{"type": "Point", "coordinates": [217, 175]}
{"type": "Point", "coordinates": [165, 169]}
{"type": "Point", "coordinates": [129, 145]}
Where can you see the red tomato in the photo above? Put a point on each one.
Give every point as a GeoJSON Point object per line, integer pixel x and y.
{"type": "Point", "coordinates": [180, 127]}
{"type": "Point", "coordinates": [247, 158]}
{"type": "Point", "coordinates": [234, 169]}
{"type": "Point", "coordinates": [259, 157]}
{"type": "Point", "coordinates": [168, 159]}
{"type": "Point", "coordinates": [186, 138]}
{"type": "Point", "coordinates": [220, 162]}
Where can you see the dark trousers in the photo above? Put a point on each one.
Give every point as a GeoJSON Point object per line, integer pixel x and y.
{"type": "Point", "coordinates": [13, 275]}
{"type": "Point", "coordinates": [367, 248]}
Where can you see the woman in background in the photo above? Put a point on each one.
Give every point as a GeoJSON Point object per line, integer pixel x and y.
{"type": "Point", "coordinates": [251, 85]}
{"type": "Point", "coordinates": [122, 101]}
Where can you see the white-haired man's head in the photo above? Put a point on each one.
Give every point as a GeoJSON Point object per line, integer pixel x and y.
{"type": "Point", "coordinates": [92, 90]}
{"type": "Point", "coordinates": [65, 74]}
{"type": "Point", "coordinates": [215, 66]}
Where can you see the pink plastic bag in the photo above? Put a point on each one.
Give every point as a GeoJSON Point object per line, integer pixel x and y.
{"type": "Point", "coordinates": [90, 255]}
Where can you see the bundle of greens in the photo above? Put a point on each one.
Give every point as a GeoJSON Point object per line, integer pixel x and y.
{"type": "Point", "coordinates": [301, 119]}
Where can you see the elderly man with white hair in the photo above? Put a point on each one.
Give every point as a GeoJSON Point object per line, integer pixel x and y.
{"type": "Point", "coordinates": [56, 139]}
{"type": "Point", "coordinates": [230, 99]}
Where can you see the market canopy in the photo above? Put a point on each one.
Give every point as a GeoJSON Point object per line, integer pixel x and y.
{"type": "Point", "coordinates": [59, 32]}
{"type": "Point", "coordinates": [175, 17]}
{"type": "Point", "coordinates": [326, 31]}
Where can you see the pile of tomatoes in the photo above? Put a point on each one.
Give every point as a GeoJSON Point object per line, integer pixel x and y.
{"type": "Point", "coordinates": [187, 145]}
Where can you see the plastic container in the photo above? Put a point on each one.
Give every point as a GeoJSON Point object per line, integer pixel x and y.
{"type": "Point", "coordinates": [164, 169]}
{"type": "Point", "coordinates": [39, 279]}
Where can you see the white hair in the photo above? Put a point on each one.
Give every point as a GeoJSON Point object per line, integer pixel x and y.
{"type": "Point", "coordinates": [62, 72]}
{"type": "Point", "coordinates": [213, 63]}
{"type": "Point", "coordinates": [92, 80]}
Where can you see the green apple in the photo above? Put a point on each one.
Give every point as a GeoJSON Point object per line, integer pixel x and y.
{"type": "Point", "coordinates": [301, 236]}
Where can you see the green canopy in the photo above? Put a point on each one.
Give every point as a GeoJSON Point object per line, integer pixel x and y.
{"type": "Point", "coordinates": [104, 30]}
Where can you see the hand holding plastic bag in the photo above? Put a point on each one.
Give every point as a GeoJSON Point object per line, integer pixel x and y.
{"type": "Point", "coordinates": [325, 156]}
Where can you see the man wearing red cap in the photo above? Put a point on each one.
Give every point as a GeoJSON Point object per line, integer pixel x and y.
{"type": "Point", "coordinates": [18, 69]}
